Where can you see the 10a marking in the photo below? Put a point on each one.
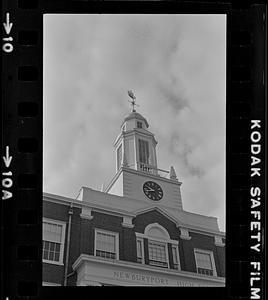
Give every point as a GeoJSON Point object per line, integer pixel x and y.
{"type": "Point", "coordinates": [7, 181]}
{"type": "Point", "coordinates": [7, 45]}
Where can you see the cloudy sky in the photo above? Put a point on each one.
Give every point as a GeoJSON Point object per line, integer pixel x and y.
{"type": "Point", "coordinates": [175, 64]}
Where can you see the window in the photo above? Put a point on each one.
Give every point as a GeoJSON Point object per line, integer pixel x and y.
{"type": "Point", "coordinates": [143, 151]}
{"type": "Point", "coordinates": [205, 262]}
{"type": "Point", "coordinates": [106, 244]}
{"type": "Point", "coordinates": [175, 256]}
{"type": "Point", "coordinates": [157, 254]}
{"type": "Point", "coordinates": [140, 254]}
{"type": "Point", "coordinates": [119, 156]}
{"type": "Point", "coordinates": [158, 243]}
{"type": "Point", "coordinates": [139, 124]}
{"type": "Point", "coordinates": [53, 241]}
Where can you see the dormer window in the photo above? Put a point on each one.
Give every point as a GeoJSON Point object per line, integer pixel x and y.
{"type": "Point", "coordinates": [139, 124]}
{"type": "Point", "coordinates": [161, 251]}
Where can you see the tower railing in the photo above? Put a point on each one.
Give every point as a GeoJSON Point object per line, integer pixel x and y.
{"type": "Point", "coordinates": [151, 169]}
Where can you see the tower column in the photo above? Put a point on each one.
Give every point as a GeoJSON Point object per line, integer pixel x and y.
{"type": "Point", "coordinates": [136, 153]}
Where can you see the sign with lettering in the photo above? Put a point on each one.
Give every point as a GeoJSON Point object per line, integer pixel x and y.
{"type": "Point", "coordinates": [149, 279]}
{"type": "Point", "coordinates": [92, 269]}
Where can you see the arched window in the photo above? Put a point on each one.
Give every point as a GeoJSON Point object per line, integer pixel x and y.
{"type": "Point", "coordinates": [156, 231]}
{"type": "Point", "coordinates": [158, 255]}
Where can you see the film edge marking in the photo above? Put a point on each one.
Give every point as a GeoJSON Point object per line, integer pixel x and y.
{"type": "Point", "coordinates": [7, 181]}
{"type": "Point", "coordinates": [255, 193]}
{"type": "Point", "coordinates": [7, 45]}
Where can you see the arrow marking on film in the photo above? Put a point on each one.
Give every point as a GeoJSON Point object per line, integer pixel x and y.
{"type": "Point", "coordinates": [7, 159]}
{"type": "Point", "coordinates": [7, 25]}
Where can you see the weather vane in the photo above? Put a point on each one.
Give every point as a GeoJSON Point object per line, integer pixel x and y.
{"type": "Point", "coordinates": [133, 103]}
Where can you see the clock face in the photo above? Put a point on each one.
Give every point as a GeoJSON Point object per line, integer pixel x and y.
{"type": "Point", "coordinates": [152, 190]}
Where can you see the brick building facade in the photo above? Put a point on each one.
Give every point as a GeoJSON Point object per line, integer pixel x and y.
{"type": "Point", "coordinates": [133, 233]}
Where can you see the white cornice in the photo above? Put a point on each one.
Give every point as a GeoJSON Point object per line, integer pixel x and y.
{"type": "Point", "coordinates": [134, 266]}
{"type": "Point", "coordinates": [94, 207]}
{"type": "Point", "coordinates": [152, 176]}
{"type": "Point", "coordinates": [117, 174]}
{"type": "Point", "coordinates": [128, 133]}
{"type": "Point", "coordinates": [179, 223]}
{"type": "Point", "coordinates": [62, 200]}
{"type": "Point", "coordinates": [140, 173]}
{"type": "Point", "coordinates": [121, 213]}
{"type": "Point", "coordinates": [144, 236]}
{"type": "Point", "coordinates": [202, 231]}
{"type": "Point", "coordinates": [160, 210]}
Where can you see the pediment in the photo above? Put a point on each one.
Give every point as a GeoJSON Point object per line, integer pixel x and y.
{"type": "Point", "coordinates": [160, 210]}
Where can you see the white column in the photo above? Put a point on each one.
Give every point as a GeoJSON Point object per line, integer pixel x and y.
{"type": "Point", "coordinates": [135, 152]}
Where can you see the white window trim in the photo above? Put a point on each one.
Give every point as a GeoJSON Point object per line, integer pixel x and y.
{"type": "Point", "coordinates": [178, 256]}
{"type": "Point", "coordinates": [148, 228]}
{"type": "Point", "coordinates": [166, 250]}
{"type": "Point", "coordinates": [211, 257]}
{"type": "Point", "coordinates": [165, 240]}
{"type": "Point", "coordinates": [116, 234]}
{"type": "Point", "coordinates": [62, 242]}
{"type": "Point", "coordinates": [144, 236]}
{"type": "Point", "coordinates": [139, 122]}
{"type": "Point", "coordinates": [142, 248]}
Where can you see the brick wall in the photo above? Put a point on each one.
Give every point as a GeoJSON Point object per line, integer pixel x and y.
{"type": "Point", "coordinates": [52, 273]}
{"type": "Point", "coordinates": [54, 211]}
{"type": "Point", "coordinates": [204, 242]}
{"type": "Point", "coordinates": [82, 239]}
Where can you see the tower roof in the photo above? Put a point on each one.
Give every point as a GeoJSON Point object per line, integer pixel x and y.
{"type": "Point", "coordinates": [135, 115]}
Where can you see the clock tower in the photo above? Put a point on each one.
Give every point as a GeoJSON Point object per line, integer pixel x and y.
{"type": "Point", "coordinates": [137, 174]}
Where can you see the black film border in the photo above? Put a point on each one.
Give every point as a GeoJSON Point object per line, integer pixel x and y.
{"type": "Point", "coordinates": [22, 128]}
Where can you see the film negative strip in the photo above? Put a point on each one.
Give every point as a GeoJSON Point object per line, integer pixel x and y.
{"type": "Point", "coordinates": [247, 75]}
{"type": "Point", "coordinates": [32, 265]}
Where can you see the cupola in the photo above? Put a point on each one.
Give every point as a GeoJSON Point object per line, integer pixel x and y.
{"type": "Point", "coordinates": [135, 145]}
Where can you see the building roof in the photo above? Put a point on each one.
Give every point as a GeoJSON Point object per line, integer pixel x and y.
{"type": "Point", "coordinates": [133, 207]}
{"type": "Point", "coordinates": [135, 115]}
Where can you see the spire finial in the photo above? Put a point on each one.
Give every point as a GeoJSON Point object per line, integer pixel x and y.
{"type": "Point", "coordinates": [133, 103]}
{"type": "Point", "coordinates": [172, 173]}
